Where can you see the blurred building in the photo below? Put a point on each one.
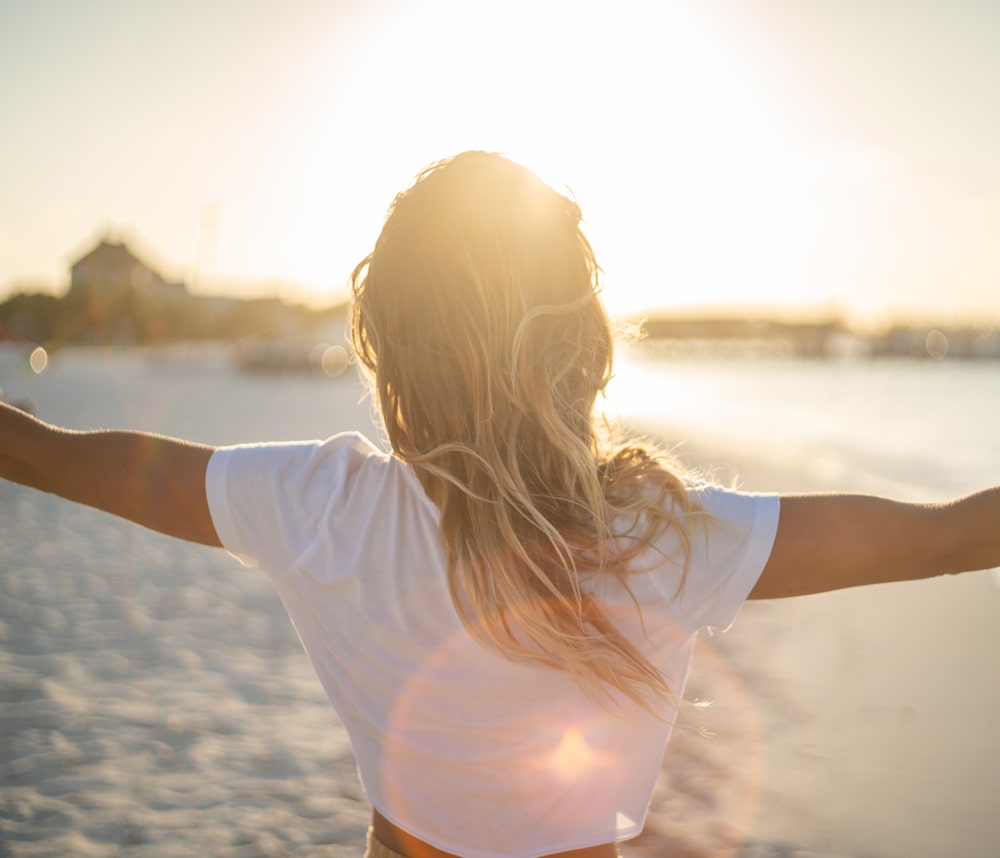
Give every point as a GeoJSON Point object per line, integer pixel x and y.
{"type": "Point", "coordinates": [116, 297]}
{"type": "Point", "coordinates": [111, 270]}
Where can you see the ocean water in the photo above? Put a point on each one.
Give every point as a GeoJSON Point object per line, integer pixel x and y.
{"type": "Point", "coordinates": [193, 392]}
{"type": "Point", "coordinates": [920, 429]}
{"type": "Point", "coordinates": [909, 428]}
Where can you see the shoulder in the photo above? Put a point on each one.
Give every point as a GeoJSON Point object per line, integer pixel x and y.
{"type": "Point", "coordinates": [270, 500]}
{"type": "Point", "coordinates": [294, 461]}
{"type": "Point", "coordinates": [732, 505]}
{"type": "Point", "coordinates": [306, 471]}
{"type": "Point", "coordinates": [345, 470]}
{"type": "Point", "coordinates": [724, 540]}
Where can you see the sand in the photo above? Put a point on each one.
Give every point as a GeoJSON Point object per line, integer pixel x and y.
{"type": "Point", "coordinates": [154, 701]}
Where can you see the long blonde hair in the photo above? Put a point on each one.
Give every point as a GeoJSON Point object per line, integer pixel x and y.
{"type": "Point", "coordinates": [478, 321]}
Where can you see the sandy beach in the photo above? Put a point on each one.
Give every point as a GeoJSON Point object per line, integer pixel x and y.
{"type": "Point", "coordinates": [155, 701]}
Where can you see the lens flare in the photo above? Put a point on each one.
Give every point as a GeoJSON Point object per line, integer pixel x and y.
{"type": "Point", "coordinates": [38, 360]}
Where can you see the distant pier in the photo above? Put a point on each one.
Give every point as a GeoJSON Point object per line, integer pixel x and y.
{"type": "Point", "coordinates": [830, 338]}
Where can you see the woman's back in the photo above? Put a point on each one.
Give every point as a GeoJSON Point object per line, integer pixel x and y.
{"type": "Point", "coordinates": [459, 745]}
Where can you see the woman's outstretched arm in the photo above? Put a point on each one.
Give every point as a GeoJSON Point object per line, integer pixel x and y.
{"type": "Point", "coordinates": [154, 481]}
{"type": "Point", "coordinates": [828, 542]}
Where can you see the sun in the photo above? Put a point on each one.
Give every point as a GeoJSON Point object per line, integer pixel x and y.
{"type": "Point", "coordinates": [647, 114]}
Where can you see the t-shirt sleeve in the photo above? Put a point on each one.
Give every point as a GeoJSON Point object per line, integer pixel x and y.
{"type": "Point", "coordinates": [267, 500]}
{"type": "Point", "coordinates": [730, 547]}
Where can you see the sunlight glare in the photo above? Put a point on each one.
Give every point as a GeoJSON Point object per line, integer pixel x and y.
{"type": "Point", "coordinates": [573, 757]}
{"type": "Point", "coordinates": [628, 111]}
{"type": "Point", "coordinates": [652, 118]}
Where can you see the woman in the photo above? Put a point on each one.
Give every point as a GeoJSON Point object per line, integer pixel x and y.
{"type": "Point", "coordinates": [502, 611]}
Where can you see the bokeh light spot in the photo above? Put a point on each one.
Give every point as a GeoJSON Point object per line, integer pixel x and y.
{"type": "Point", "coordinates": [937, 345]}
{"type": "Point", "coordinates": [334, 361]}
{"type": "Point", "coordinates": [38, 360]}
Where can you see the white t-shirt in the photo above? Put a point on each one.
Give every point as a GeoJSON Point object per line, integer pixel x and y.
{"type": "Point", "coordinates": [476, 754]}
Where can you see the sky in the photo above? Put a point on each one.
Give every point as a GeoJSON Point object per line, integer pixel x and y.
{"type": "Point", "coordinates": [758, 156]}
